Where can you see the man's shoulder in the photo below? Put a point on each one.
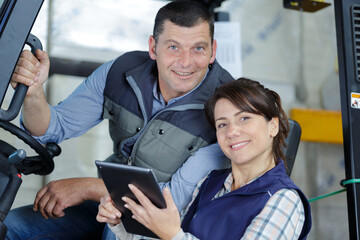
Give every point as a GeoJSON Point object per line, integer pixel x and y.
{"type": "Point", "coordinates": [129, 60]}
{"type": "Point", "coordinates": [133, 57]}
{"type": "Point", "coordinates": [220, 74]}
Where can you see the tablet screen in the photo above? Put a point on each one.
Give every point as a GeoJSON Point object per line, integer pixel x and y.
{"type": "Point", "coordinates": [117, 177]}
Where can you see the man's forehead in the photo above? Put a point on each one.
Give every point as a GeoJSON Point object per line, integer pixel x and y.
{"type": "Point", "coordinates": [203, 25]}
{"type": "Point", "coordinates": [173, 32]}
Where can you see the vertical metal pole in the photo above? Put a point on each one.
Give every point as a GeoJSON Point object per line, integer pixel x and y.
{"type": "Point", "coordinates": [45, 179]}
{"type": "Point", "coordinates": [349, 84]}
{"type": "Point", "coordinates": [49, 26]}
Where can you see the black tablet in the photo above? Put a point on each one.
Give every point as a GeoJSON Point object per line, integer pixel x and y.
{"type": "Point", "coordinates": [117, 177]}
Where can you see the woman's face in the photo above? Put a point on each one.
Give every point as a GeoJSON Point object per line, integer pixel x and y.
{"type": "Point", "coordinates": [245, 138]}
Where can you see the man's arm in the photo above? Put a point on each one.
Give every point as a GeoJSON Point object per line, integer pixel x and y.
{"type": "Point", "coordinates": [33, 72]}
{"type": "Point", "coordinates": [80, 111]}
{"type": "Point", "coordinates": [72, 117]}
{"type": "Point", "coordinates": [184, 180]}
{"type": "Point", "coordinates": [75, 115]}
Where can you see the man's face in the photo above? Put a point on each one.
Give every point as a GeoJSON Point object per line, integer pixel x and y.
{"type": "Point", "coordinates": [182, 55]}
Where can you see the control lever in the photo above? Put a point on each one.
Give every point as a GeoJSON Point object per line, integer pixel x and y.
{"type": "Point", "coordinates": [16, 157]}
{"type": "Point", "coordinates": [21, 89]}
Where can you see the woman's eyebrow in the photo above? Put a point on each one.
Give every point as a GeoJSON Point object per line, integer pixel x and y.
{"type": "Point", "coordinates": [220, 118]}
{"type": "Point", "coordinates": [239, 112]}
{"type": "Point", "coordinates": [224, 118]}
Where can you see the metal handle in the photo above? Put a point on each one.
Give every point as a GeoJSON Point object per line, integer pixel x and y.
{"type": "Point", "coordinates": [21, 89]}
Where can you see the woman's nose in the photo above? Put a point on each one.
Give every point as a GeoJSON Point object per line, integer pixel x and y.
{"type": "Point", "coordinates": [232, 131]}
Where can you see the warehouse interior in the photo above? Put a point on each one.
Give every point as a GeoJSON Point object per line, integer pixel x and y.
{"type": "Point", "coordinates": [292, 51]}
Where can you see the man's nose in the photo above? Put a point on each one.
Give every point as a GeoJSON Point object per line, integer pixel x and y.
{"type": "Point", "coordinates": [185, 59]}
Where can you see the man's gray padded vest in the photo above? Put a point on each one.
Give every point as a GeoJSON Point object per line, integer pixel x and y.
{"type": "Point", "coordinates": [165, 140]}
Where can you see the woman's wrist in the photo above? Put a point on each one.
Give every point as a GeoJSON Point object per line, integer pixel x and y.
{"type": "Point", "coordinates": [179, 235]}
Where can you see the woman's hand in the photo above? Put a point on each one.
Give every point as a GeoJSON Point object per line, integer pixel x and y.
{"type": "Point", "coordinates": [108, 213]}
{"type": "Point", "coordinates": [165, 223]}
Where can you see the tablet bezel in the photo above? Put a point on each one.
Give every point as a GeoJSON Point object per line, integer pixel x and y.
{"type": "Point", "coordinates": [117, 177]}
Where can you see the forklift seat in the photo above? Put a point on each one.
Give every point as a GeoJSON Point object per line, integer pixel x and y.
{"type": "Point", "coordinates": [292, 141]}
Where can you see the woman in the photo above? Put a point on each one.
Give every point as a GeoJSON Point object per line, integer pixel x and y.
{"type": "Point", "coordinates": [254, 199]}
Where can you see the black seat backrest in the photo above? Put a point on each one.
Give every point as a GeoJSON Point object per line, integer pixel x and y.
{"type": "Point", "coordinates": [292, 141]}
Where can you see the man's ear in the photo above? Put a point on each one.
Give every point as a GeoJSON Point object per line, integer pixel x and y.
{"type": "Point", "coordinates": [213, 52]}
{"type": "Point", "coordinates": [152, 50]}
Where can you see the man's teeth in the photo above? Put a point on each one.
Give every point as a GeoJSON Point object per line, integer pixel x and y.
{"type": "Point", "coordinates": [183, 74]}
{"type": "Point", "coordinates": [238, 145]}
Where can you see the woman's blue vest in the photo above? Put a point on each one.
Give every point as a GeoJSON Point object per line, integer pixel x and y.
{"type": "Point", "coordinates": [228, 216]}
{"type": "Point", "coordinates": [165, 141]}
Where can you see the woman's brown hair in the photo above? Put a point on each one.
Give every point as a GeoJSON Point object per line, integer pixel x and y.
{"type": "Point", "coordinates": [250, 96]}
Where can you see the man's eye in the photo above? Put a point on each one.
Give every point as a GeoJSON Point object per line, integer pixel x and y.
{"type": "Point", "coordinates": [173, 47]}
{"type": "Point", "coordinates": [199, 48]}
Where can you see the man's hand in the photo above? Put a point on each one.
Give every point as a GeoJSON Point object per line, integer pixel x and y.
{"type": "Point", "coordinates": [108, 213]}
{"type": "Point", "coordinates": [165, 223]}
{"type": "Point", "coordinates": [58, 195]}
{"type": "Point", "coordinates": [31, 71]}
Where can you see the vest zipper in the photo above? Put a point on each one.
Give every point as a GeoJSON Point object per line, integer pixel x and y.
{"type": "Point", "coordinates": [184, 107]}
{"type": "Point", "coordinates": [147, 122]}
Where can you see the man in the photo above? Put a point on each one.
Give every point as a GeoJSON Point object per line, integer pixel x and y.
{"type": "Point", "coordinates": [154, 103]}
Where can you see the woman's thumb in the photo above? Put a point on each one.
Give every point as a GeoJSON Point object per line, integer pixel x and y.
{"type": "Point", "coordinates": [168, 198]}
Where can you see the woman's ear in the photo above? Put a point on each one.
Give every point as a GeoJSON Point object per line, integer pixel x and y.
{"type": "Point", "coordinates": [274, 126]}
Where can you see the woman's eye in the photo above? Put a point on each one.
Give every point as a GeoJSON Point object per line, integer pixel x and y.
{"type": "Point", "coordinates": [244, 118]}
{"type": "Point", "coordinates": [221, 125]}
